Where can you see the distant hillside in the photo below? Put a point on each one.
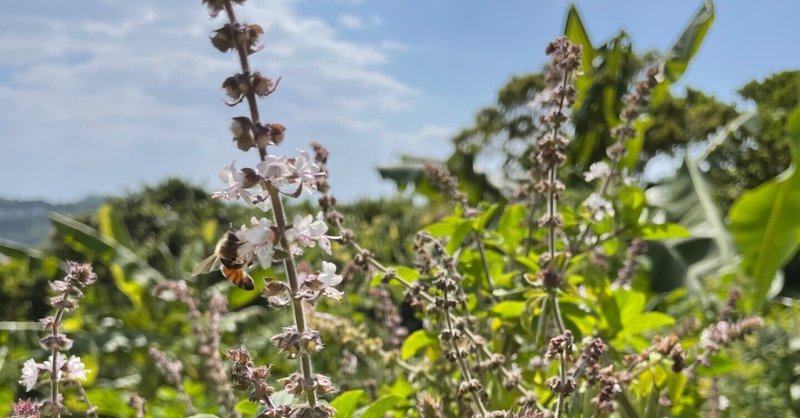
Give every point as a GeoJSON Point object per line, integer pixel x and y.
{"type": "Point", "coordinates": [27, 221]}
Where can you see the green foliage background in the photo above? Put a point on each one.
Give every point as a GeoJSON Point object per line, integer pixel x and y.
{"type": "Point", "coordinates": [710, 238]}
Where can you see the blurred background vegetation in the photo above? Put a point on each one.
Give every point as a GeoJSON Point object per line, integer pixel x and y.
{"type": "Point", "coordinates": [162, 231]}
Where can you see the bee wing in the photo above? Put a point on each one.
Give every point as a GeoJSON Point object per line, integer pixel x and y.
{"type": "Point", "coordinates": [208, 265]}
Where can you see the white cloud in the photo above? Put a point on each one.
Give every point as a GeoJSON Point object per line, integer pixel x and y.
{"type": "Point", "coordinates": [140, 79]}
{"type": "Point", "coordinates": [351, 22]}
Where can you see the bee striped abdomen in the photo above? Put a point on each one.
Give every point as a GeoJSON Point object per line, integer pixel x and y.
{"type": "Point", "coordinates": [238, 277]}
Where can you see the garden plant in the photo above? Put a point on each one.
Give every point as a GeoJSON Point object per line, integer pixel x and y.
{"type": "Point", "coordinates": [566, 286]}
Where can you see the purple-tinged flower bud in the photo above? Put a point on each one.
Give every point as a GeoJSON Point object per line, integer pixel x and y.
{"type": "Point", "coordinates": [26, 408]}
{"type": "Point", "coordinates": [58, 341]}
{"type": "Point", "coordinates": [294, 384]}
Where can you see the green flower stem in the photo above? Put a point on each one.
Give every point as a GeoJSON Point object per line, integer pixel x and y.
{"type": "Point", "coordinates": [245, 64]}
{"type": "Point", "coordinates": [280, 219]}
{"type": "Point", "coordinates": [294, 286]}
{"type": "Point", "coordinates": [562, 357]}
{"type": "Point", "coordinates": [466, 376]}
{"type": "Point", "coordinates": [54, 352]}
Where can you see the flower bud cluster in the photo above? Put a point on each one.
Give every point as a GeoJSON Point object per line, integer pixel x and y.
{"type": "Point", "coordinates": [634, 102]}
{"type": "Point", "coordinates": [26, 408]}
{"type": "Point", "coordinates": [389, 315]}
{"type": "Point", "coordinates": [69, 290]}
{"type": "Point", "coordinates": [609, 387]}
{"type": "Point", "coordinates": [171, 369]}
{"type": "Point", "coordinates": [723, 333]}
{"type": "Point", "coordinates": [556, 100]}
{"type": "Point", "coordinates": [668, 347]}
{"type": "Point", "coordinates": [590, 359]}
{"type": "Point", "coordinates": [560, 344]}
{"type": "Point", "coordinates": [446, 182]}
{"type": "Point", "coordinates": [58, 367]}
{"type": "Point", "coordinates": [443, 297]}
{"type": "Point", "coordinates": [637, 248]}
{"type": "Point", "coordinates": [296, 343]}
{"type": "Point", "coordinates": [206, 327]}
{"type": "Point", "coordinates": [247, 376]}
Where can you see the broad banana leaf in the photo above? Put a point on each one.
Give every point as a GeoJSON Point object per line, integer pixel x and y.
{"type": "Point", "coordinates": [765, 224]}
{"type": "Point", "coordinates": [687, 200]}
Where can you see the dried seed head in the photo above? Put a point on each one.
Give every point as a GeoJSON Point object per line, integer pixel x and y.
{"type": "Point", "coordinates": [242, 130]}
{"type": "Point", "coordinates": [276, 133]}
{"type": "Point", "coordinates": [262, 86]}
{"type": "Point", "coordinates": [222, 38]}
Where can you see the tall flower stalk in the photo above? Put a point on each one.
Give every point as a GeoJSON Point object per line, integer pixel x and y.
{"type": "Point", "coordinates": [58, 368]}
{"type": "Point", "coordinates": [276, 239]}
{"type": "Point", "coordinates": [557, 99]}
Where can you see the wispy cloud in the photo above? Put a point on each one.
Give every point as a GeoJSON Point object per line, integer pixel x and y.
{"type": "Point", "coordinates": [351, 22]}
{"type": "Point", "coordinates": [137, 79]}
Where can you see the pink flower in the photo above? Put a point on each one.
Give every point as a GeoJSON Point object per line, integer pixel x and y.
{"type": "Point", "coordinates": [260, 241]}
{"type": "Point", "coordinates": [309, 232]}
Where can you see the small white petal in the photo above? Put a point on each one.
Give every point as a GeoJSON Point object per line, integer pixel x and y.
{"type": "Point", "coordinates": [76, 369]}
{"type": "Point", "coordinates": [30, 375]}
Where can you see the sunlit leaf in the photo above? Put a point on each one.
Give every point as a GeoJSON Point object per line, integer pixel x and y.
{"type": "Point", "coordinates": [381, 406]}
{"type": "Point", "coordinates": [764, 221]}
{"type": "Point", "coordinates": [346, 403]}
{"type": "Point", "coordinates": [418, 340]}
{"type": "Point", "coordinates": [664, 231]}
{"type": "Point", "coordinates": [509, 309]}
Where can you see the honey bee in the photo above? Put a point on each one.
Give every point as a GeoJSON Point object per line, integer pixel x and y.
{"type": "Point", "coordinates": [226, 258]}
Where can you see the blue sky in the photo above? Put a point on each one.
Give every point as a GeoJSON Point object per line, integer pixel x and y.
{"type": "Point", "coordinates": [102, 96]}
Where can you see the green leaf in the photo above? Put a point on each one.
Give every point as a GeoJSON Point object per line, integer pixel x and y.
{"type": "Point", "coordinates": [720, 365]}
{"type": "Point", "coordinates": [406, 273]}
{"type": "Point", "coordinates": [509, 309]}
{"type": "Point", "coordinates": [652, 406]}
{"type": "Point", "coordinates": [346, 403]}
{"type": "Point", "coordinates": [445, 227]}
{"type": "Point", "coordinates": [764, 221]}
{"type": "Point", "coordinates": [510, 227]}
{"type": "Point", "coordinates": [677, 60]}
{"type": "Point", "coordinates": [677, 384]}
{"type": "Point", "coordinates": [635, 145]}
{"type": "Point", "coordinates": [110, 224]}
{"type": "Point", "coordinates": [689, 42]}
{"type": "Point", "coordinates": [631, 203]}
{"type": "Point", "coordinates": [575, 31]}
{"type": "Point", "coordinates": [203, 416]}
{"type": "Point", "coordinates": [484, 218]}
{"type": "Point", "coordinates": [458, 236]}
{"type": "Point", "coordinates": [688, 201]}
{"type": "Point", "coordinates": [18, 251]}
{"type": "Point", "coordinates": [664, 231]}
{"type": "Point", "coordinates": [92, 243]}
{"type": "Point", "coordinates": [646, 321]}
{"type": "Point", "coordinates": [109, 402]}
{"type": "Point", "coordinates": [630, 304]}
{"type": "Point", "coordinates": [418, 340]}
{"type": "Point", "coordinates": [381, 406]}
{"type": "Point", "coordinates": [247, 408]}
